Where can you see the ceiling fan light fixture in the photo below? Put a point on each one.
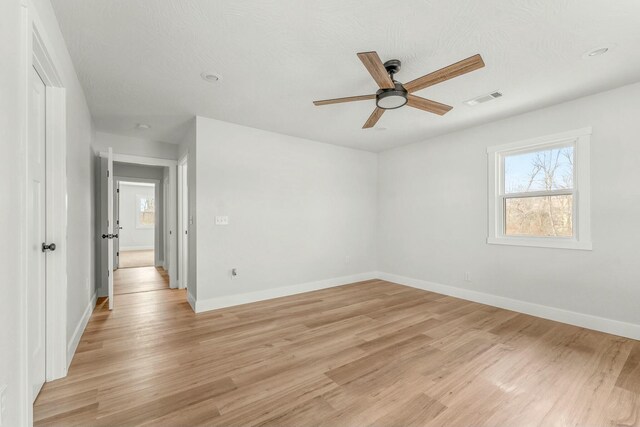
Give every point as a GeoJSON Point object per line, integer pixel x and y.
{"type": "Point", "coordinates": [390, 99]}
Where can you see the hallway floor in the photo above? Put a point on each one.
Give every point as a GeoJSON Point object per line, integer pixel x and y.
{"type": "Point", "coordinates": [369, 353]}
{"type": "Point", "coordinates": [142, 258]}
{"type": "Point", "coordinates": [140, 279]}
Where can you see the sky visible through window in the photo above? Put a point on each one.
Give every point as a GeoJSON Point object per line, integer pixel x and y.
{"type": "Point", "coordinates": [545, 170]}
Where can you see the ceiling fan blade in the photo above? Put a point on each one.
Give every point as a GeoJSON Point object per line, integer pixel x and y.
{"type": "Point", "coordinates": [374, 65]}
{"type": "Point", "coordinates": [373, 118]}
{"type": "Point", "coordinates": [428, 105]}
{"type": "Point", "coordinates": [454, 70]}
{"type": "Point", "coordinates": [347, 99]}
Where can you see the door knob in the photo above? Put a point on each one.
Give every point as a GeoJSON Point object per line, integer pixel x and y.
{"type": "Point", "coordinates": [49, 247]}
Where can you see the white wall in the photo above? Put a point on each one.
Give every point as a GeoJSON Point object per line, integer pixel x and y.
{"type": "Point", "coordinates": [132, 237]}
{"type": "Point", "coordinates": [135, 146]}
{"type": "Point", "coordinates": [433, 212]}
{"type": "Point", "coordinates": [80, 237]}
{"type": "Point", "coordinates": [11, 119]}
{"type": "Point", "coordinates": [299, 211]}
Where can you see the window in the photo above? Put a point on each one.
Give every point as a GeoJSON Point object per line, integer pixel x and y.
{"type": "Point", "coordinates": [539, 192]}
{"type": "Point", "coordinates": [145, 211]}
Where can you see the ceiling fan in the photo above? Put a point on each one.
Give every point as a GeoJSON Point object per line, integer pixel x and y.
{"type": "Point", "coordinates": [393, 94]}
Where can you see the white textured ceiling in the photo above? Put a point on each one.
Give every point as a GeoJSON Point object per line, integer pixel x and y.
{"type": "Point", "coordinates": [140, 61]}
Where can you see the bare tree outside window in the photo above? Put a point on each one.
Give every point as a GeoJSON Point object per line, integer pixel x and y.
{"type": "Point", "coordinates": [548, 175]}
{"type": "Point", "coordinates": [146, 211]}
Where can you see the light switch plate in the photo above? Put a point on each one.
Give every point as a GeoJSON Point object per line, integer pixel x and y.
{"type": "Point", "coordinates": [222, 220]}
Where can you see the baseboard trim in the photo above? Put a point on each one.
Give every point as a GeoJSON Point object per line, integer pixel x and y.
{"type": "Point", "coordinates": [192, 301]}
{"type": "Point", "coordinates": [602, 324]}
{"type": "Point", "coordinates": [245, 298]}
{"type": "Point", "coordinates": [77, 334]}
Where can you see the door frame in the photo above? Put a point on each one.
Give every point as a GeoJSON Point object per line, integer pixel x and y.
{"type": "Point", "coordinates": [171, 202]}
{"type": "Point", "coordinates": [38, 53]}
{"type": "Point", "coordinates": [182, 198]}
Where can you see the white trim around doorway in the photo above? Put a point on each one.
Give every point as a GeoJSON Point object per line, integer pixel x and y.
{"type": "Point", "coordinates": [171, 258]}
{"type": "Point", "coordinates": [183, 223]}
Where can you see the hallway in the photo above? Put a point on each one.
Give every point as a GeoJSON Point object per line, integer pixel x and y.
{"type": "Point", "coordinates": [141, 258]}
{"type": "Point", "coordinates": [139, 279]}
{"type": "Point", "coordinates": [114, 348]}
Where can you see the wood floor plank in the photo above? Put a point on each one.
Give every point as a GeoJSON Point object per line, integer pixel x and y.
{"type": "Point", "coordinates": [369, 353]}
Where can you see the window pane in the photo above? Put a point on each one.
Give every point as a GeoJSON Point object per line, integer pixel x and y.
{"type": "Point", "coordinates": [146, 211]}
{"type": "Point", "coordinates": [544, 216]}
{"type": "Point", "coordinates": [549, 169]}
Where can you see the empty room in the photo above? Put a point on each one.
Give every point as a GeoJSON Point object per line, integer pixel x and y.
{"type": "Point", "coordinates": [338, 213]}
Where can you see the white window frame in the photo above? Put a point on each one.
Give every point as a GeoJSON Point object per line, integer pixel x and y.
{"type": "Point", "coordinates": [139, 225]}
{"type": "Point", "coordinates": [580, 139]}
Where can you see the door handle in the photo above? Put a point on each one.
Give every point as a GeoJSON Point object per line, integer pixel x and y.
{"type": "Point", "coordinates": [109, 236]}
{"type": "Point", "coordinates": [49, 247]}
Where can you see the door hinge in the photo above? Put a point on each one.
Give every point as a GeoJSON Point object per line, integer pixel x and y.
{"type": "Point", "coordinates": [117, 253]}
{"type": "Point", "coordinates": [107, 174]}
{"type": "Point", "coordinates": [117, 190]}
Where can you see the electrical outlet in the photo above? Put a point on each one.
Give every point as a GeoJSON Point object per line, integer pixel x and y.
{"type": "Point", "coordinates": [467, 277]}
{"type": "Point", "coordinates": [222, 220]}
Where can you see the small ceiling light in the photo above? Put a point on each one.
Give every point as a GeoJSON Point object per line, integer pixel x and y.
{"type": "Point", "coordinates": [211, 77]}
{"type": "Point", "coordinates": [143, 126]}
{"type": "Point", "coordinates": [595, 52]}
{"type": "Point", "coordinates": [390, 99]}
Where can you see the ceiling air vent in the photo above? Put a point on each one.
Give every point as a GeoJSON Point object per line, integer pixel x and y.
{"type": "Point", "coordinates": [483, 98]}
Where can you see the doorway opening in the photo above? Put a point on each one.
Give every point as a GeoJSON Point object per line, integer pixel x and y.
{"type": "Point", "coordinates": [137, 219]}
{"type": "Point", "coordinates": [135, 213]}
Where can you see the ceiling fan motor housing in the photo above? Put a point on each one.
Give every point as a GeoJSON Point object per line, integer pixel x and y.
{"type": "Point", "coordinates": [393, 66]}
{"type": "Point", "coordinates": [390, 99]}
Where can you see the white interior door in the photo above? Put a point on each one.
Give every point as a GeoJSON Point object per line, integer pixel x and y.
{"type": "Point", "coordinates": [36, 217]}
{"type": "Point", "coordinates": [110, 225]}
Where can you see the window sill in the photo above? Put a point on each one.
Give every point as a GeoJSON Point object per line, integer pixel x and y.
{"type": "Point", "coordinates": [541, 243]}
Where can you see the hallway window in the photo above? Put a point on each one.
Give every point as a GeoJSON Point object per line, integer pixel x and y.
{"type": "Point", "coordinates": [146, 211]}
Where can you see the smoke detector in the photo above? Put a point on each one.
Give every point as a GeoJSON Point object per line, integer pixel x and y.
{"type": "Point", "coordinates": [483, 98]}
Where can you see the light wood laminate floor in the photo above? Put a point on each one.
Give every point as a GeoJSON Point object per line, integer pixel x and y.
{"type": "Point", "coordinates": [370, 353]}
{"type": "Point", "coordinates": [141, 258]}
